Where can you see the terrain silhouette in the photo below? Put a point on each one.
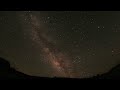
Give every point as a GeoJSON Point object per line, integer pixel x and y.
{"type": "Point", "coordinates": [6, 72]}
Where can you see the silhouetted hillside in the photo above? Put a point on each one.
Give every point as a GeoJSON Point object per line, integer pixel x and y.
{"type": "Point", "coordinates": [114, 73]}
{"type": "Point", "coordinates": [6, 72]}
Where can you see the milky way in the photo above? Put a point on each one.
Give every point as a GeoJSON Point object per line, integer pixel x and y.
{"type": "Point", "coordinates": [58, 60]}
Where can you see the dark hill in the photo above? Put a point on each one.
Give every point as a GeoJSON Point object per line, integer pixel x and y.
{"type": "Point", "coordinates": [6, 72]}
{"type": "Point", "coordinates": [114, 73]}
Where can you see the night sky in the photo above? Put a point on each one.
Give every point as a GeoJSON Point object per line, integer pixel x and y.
{"type": "Point", "coordinates": [73, 44]}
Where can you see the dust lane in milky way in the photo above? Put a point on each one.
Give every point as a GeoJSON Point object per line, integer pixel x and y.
{"type": "Point", "coordinates": [59, 61]}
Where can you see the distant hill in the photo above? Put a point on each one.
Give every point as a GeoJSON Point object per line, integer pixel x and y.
{"type": "Point", "coordinates": [114, 73]}
{"type": "Point", "coordinates": [6, 72]}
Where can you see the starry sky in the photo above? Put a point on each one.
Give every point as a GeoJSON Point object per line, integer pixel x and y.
{"type": "Point", "coordinates": [74, 44]}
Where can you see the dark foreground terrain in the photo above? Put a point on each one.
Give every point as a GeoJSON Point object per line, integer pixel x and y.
{"type": "Point", "coordinates": [6, 72]}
